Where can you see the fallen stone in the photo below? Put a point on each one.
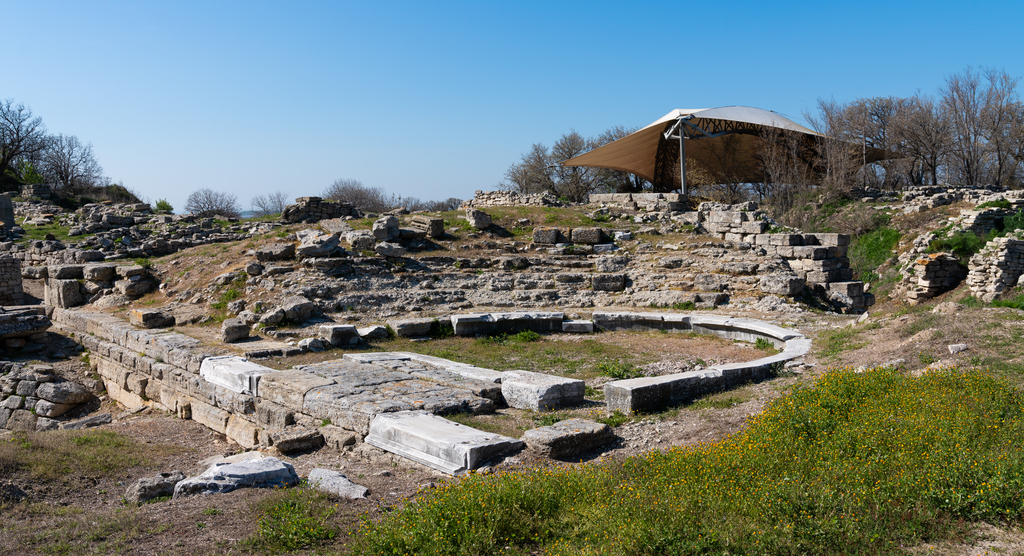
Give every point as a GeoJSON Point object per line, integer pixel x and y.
{"type": "Point", "coordinates": [317, 244]}
{"type": "Point", "coordinates": [385, 228]}
{"type": "Point", "coordinates": [315, 345]}
{"type": "Point", "coordinates": [275, 252]}
{"type": "Point", "coordinates": [568, 438]}
{"type": "Point", "coordinates": [297, 308]}
{"type": "Point", "coordinates": [957, 348]}
{"type": "Point", "coordinates": [373, 332]}
{"type": "Point", "coordinates": [295, 439]}
{"type": "Point", "coordinates": [256, 473]}
{"type": "Point", "coordinates": [437, 442]}
{"type": "Point", "coordinates": [88, 422]}
{"type": "Point", "coordinates": [411, 327]}
{"type": "Point", "coordinates": [63, 392]}
{"type": "Point", "coordinates": [46, 424]}
{"type": "Point", "coordinates": [22, 420]}
{"type": "Point", "coordinates": [360, 240]}
{"type": "Point", "coordinates": [478, 219]}
{"type": "Point", "coordinates": [778, 284]}
{"type": "Point", "coordinates": [133, 288]}
{"type": "Point", "coordinates": [98, 273]}
{"type": "Point", "coordinates": [337, 437]}
{"type": "Point", "coordinates": [337, 484]}
{"type": "Point", "coordinates": [537, 391]}
{"type": "Point", "coordinates": [233, 330]}
{"type": "Point", "coordinates": [339, 335]}
{"type": "Point", "coordinates": [46, 408]}
{"type": "Point", "coordinates": [148, 488]}
{"type": "Point", "coordinates": [588, 235]}
{"type": "Point", "coordinates": [609, 282]}
{"type": "Point", "coordinates": [385, 249]}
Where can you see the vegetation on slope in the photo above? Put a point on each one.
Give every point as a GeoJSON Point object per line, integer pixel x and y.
{"type": "Point", "coordinates": [858, 463]}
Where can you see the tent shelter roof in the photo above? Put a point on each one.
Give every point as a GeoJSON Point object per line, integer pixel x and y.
{"type": "Point", "coordinates": [723, 140]}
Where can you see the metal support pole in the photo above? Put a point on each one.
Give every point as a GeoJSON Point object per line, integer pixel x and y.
{"type": "Point", "coordinates": [682, 163]}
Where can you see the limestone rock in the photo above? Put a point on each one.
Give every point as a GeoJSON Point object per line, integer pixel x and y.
{"type": "Point", "coordinates": [297, 308]}
{"type": "Point", "coordinates": [295, 439]}
{"type": "Point", "coordinates": [337, 484]}
{"type": "Point", "coordinates": [386, 228]}
{"type": "Point", "coordinates": [385, 249]}
{"type": "Point", "coordinates": [150, 318]}
{"type": "Point", "coordinates": [63, 392]}
{"type": "Point", "coordinates": [275, 252]}
{"type": "Point", "coordinates": [148, 488]}
{"type": "Point", "coordinates": [780, 284]}
{"type": "Point", "coordinates": [339, 335]}
{"type": "Point", "coordinates": [478, 219]}
{"type": "Point", "coordinates": [233, 330]}
{"type": "Point", "coordinates": [568, 438]}
{"type": "Point", "coordinates": [537, 391]}
{"type": "Point", "coordinates": [258, 473]}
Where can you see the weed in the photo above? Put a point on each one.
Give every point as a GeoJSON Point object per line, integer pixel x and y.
{"type": "Point", "coordinates": [615, 419]}
{"type": "Point", "coordinates": [998, 204]}
{"type": "Point", "coordinates": [212, 511]}
{"type": "Point", "coordinates": [441, 329]}
{"type": "Point", "coordinates": [834, 342]}
{"type": "Point", "coordinates": [872, 250]}
{"type": "Point", "coordinates": [925, 358]}
{"type": "Point", "coordinates": [325, 422]}
{"type": "Point", "coordinates": [962, 244]}
{"type": "Point", "coordinates": [684, 306]}
{"type": "Point", "coordinates": [618, 370]}
{"type": "Point", "coordinates": [766, 346]}
{"type": "Point", "coordinates": [548, 419]}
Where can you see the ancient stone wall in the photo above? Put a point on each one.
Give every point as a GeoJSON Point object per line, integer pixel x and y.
{"type": "Point", "coordinates": [315, 209]}
{"type": "Point", "coordinates": [672, 202]}
{"type": "Point", "coordinates": [40, 190]}
{"type": "Point", "coordinates": [10, 281]}
{"type": "Point", "coordinates": [935, 275]}
{"type": "Point", "coordinates": [997, 267]}
{"type": "Point", "coordinates": [512, 199]}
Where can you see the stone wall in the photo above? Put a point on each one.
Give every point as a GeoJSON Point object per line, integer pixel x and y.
{"type": "Point", "coordinates": [315, 209]}
{"type": "Point", "coordinates": [40, 190]}
{"type": "Point", "coordinates": [997, 267]}
{"type": "Point", "coordinates": [10, 281]}
{"type": "Point", "coordinates": [512, 199]}
{"type": "Point", "coordinates": [935, 275]}
{"type": "Point", "coordinates": [672, 202]}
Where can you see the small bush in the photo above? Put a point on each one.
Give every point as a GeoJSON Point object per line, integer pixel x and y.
{"type": "Point", "coordinates": [163, 206]}
{"type": "Point", "coordinates": [619, 370]}
{"type": "Point", "coordinates": [765, 345]}
{"type": "Point", "coordinates": [872, 250]}
{"type": "Point", "coordinates": [962, 244]}
{"type": "Point", "coordinates": [684, 306]}
{"type": "Point", "coordinates": [441, 329]}
{"type": "Point", "coordinates": [998, 204]}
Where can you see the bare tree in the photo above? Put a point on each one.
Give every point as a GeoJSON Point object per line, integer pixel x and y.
{"type": "Point", "coordinates": [962, 101]}
{"type": "Point", "coordinates": [924, 135]}
{"type": "Point", "coordinates": [207, 202]}
{"type": "Point", "coordinates": [271, 203]}
{"type": "Point", "coordinates": [996, 119]}
{"type": "Point", "coordinates": [69, 166]}
{"type": "Point", "coordinates": [364, 198]}
{"type": "Point", "coordinates": [22, 135]}
{"type": "Point", "coordinates": [573, 182]}
{"type": "Point", "coordinates": [836, 160]}
{"type": "Point", "coordinates": [533, 174]}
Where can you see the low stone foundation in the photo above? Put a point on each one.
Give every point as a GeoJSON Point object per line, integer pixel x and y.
{"type": "Point", "coordinates": [315, 209]}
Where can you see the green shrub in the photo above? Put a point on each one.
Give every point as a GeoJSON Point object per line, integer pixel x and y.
{"type": "Point", "coordinates": [163, 206]}
{"type": "Point", "coordinates": [962, 244]}
{"type": "Point", "coordinates": [765, 345]}
{"type": "Point", "coordinates": [441, 329]}
{"type": "Point", "coordinates": [998, 204]}
{"type": "Point", "coordinates": [684, 306]}
{"type": "Point", "coordinates": [619, 370]}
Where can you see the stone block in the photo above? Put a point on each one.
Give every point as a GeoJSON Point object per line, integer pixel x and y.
{"type": "Point", "coordinates": [243, 432]}
{"type": "Point", "coordinates": [226, 477]}
{"type": "Point", "coordinates": [50, 409]}
{"type": "Point", "coordinates": [273, 416]}
{"type": "Point", "coordinates": [235, 373]}
{"type": "Point", "coordinates": [99, 272]}
{"type": "Point", "coordinates": [275, 252]}
{"type": "Point", "coordinates": [437, 442]}
{"type": "Point", "coordinates": [781, 284]}
{"type": "Point", "coordinates": [288, 388]}
{"type": "Point", "coordinates": [63, 293]}
{"type": "Point", "coordinates": [578, 326]}
{"type": "Point", "coordinates": [22, 420]}
{"type": "Point", "coordinates": [478, 219]}
{"type": "Point", "coordinates": [548, 236]}
{"type": "Point", "coordinates": [411, 327]}
{"type": "Point", "coordinates": [150, 318]}
{"type": "Point", "coordinates": [538, 391]}
{"type": "Point", "coordinates": [337, 437]}
{"type": "Point", "coordinates": [148, 488]}
{"type": "Point", "coordinates": [339, 335]}
{"type": "Point", "coordinates": [588, 235]}
{"type": "Point", "coordinates": [233, 330]}
{"type": "Point", "coordinates": [569, 438]}
{"type": "Point", "coordinates": [295, 439]}
{"type": "Point", "coordinates": [206, 414]}
{"type": "Point", "coordinates": [432, 226]}
{"type": "Point", "coordinates": [65, 392]}
{"type": "Point", "coordinates": [608, 282]}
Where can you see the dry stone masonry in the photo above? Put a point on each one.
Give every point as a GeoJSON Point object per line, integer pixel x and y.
{"type": "Point", "coordinates": [997, 267]}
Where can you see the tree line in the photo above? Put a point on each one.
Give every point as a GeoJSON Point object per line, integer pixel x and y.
{"type": "Point", "coordinates": [971, 132]}
{"type": "Point", "coordinates": [30, 154]}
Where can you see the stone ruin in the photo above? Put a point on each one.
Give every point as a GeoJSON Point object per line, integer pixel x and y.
{"type": "Point", "coordinates": [315, 209]}
{"type": "Point", "coordinates": [503, 198]}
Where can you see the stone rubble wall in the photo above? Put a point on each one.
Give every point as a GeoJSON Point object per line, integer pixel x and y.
{"type": "Point", "coordinates": [652, 202]}
{"type": "Point", "coordinates": [11, 292]}
{"type": "Point", "coordinates": [997, 267]}
{"type": "Point", "coordinates": [315, 209]}
{"type": "Point", "coordinates": [512, 199]}
{"type": "Point", "coordinates": [40, 190]}
{"type": "Point", "coordinates": [935, 275]}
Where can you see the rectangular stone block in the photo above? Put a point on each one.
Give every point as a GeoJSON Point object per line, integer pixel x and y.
{"type": "Point", "coordinates": [339, 335]}
{"type": "Point", "coordinates": [411, 328]}
{"type": "Point", "coordinates": [537, 391]}
{"type": "Point", "coordinates": [209, 416]}
{"type": "Point", "coordinates": [588, 235]}
{"type": "Point", "coordinates": [548, 236]}
{"type": "Point", "coordinates": [235, 373]}
{"type": "Point", "coordinates": [437, 442]}
{"type": "Point", "coordinates": [289, 388]}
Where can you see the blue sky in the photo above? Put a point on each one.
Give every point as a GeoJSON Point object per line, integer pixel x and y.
{"type": "Point", "coordinates": [436, 100]}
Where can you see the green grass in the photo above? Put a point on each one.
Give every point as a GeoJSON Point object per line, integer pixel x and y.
{"type": "Point", "coordinates": [56, 455]}
{"type": "Point", "coordinates": [833, 342]}
{"type": "Point", "coordinates": [998, 203]}
{"type": "Point", "coordinates": [618, 370]}
{"type": "Point", "coordinates": [871, 250]}
{"type": "Point", "coordinates": [292, 519]}
{"type": "Point", "coordinates": [962, 244]}
{"type": "Point", "coordinates": [37, 233]}
{"type": "Point", "coordinates": [858, 463]}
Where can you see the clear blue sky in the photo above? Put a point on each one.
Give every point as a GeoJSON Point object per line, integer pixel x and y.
{"type": "Point", "coordinates": [436, 100]}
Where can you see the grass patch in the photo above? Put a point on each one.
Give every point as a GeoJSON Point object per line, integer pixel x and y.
{"type": "Point", "coordinates": [55, 455]}
{"type": "Point", "coordinates": [872, 250]}
{"type": "Point", "coordinates": [523, 337]}
{"type": "Point", "coordinates": [38, 233]}
{"type": "Point", "coordinates": [619, 370]}
{"type": "Point", "coordinates": [766, 346]}
{"type": "Point", "coordinates": [292, 519]}
{"type": "Point", "coordinates": [856, 464]}
{"type": "Point", "coordinates": [833, 342]}
{"type": "Point", "coordinates": [962, 244]}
